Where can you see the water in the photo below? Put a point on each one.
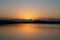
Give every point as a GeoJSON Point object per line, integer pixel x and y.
{"type": "Point", "coordinates": [30, 32]}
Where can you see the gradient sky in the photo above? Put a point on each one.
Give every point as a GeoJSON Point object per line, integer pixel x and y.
{"type": "Point", "coordinates": [28, 9]}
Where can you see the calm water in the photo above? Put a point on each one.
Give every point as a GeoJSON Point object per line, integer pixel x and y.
{"type": "Point", "coordinates": [30, 32]}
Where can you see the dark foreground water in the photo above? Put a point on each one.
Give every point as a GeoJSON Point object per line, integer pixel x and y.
{"type": "Point", "coordinates": [30, 32]}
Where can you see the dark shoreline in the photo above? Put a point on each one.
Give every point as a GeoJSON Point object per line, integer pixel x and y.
{"type": "Point", "coordinates": [3, 22]}
{"type": "Point", "coordinates": [27, 23]}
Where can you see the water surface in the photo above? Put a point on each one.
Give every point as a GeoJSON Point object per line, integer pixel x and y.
{"type": "Point", "coordinates": [30, 32]}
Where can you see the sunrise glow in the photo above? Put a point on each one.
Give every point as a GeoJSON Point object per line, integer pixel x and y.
{"type": "Point", "coordinates": [29, 9]}
{"type": "Point", "coordinates": [28, 13]}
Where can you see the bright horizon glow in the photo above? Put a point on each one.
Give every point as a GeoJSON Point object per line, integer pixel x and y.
{"type": "Point", "coordinates": [28, 13]}
{"type": "Point", "coordinates": [29, 9]}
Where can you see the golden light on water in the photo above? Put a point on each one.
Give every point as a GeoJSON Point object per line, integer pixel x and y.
{"type": "Point", "coordinates": [28, 31]}
{"type": "Point", "coordinates": [27, 28]}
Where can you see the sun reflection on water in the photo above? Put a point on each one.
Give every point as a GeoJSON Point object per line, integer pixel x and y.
{"type": "Point", "coordinates": [27, 29]}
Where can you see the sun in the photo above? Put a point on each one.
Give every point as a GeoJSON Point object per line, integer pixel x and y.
{"type": "Point", "coordinates": [28, 13]}
{"type": "Point", "coordinates": [27, 16]}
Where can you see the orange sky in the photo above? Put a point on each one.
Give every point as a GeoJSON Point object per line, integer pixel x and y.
{"type": "Point", "coordinates": [30, 9]}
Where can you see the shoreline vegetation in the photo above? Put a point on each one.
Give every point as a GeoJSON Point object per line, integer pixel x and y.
{"type": "Point", "coordinates": [19, 21]}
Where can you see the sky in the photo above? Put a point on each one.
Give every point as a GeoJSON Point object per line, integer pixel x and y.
{"type": "Point", "coordinates": [30, 9]}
